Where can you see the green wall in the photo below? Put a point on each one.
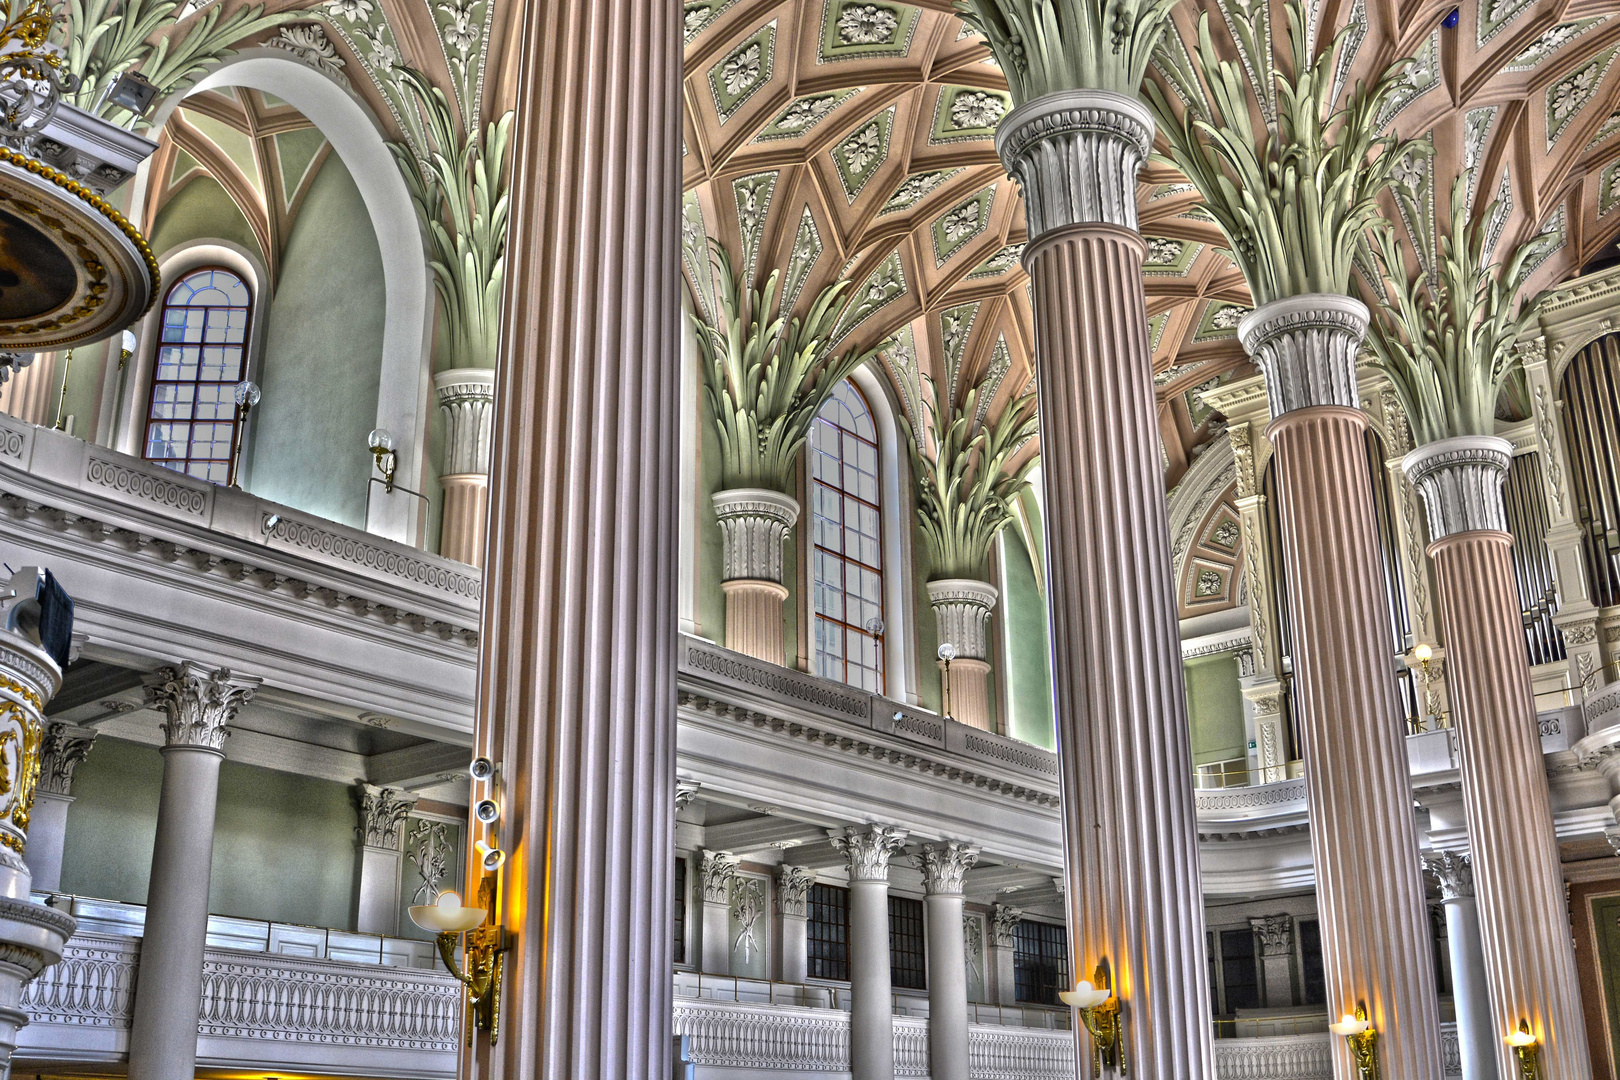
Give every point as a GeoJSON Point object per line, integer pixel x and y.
{"type": "Point", "coordinates": [1029, 665]}
{"type": "Point", "coordinates": [284, 844]}
{"type": "Point", "coordinates": [1215, 709]}
{"type": "Point", "coordinates": [322, 362]}
{"type": "Point", "coordinates": [709, 600]}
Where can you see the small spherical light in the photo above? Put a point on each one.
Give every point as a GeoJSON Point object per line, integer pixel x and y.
{"type": "Point", "coordinates": [449, 899]}
{"type": "Point", "coordinates": [947, 652]}
{"type": "Point", "coordinates": [1423, 652]}
{"type": "Point", "coordinates": [247, 393]}
{"type": "Point", "coordinates": [128, 341]}
{"type": "Point", "coordinates": [488, 811]}
{"type": "Point", "coordinates": [481, 768]}
{"type": "Point", "coordinates": [874, 627]}
{"type": "Point", "coordinates": [380, 439]}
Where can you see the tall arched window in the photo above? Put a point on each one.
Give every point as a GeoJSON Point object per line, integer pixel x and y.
{"type": "Point", "coordinates": [202, 355]}
{"type": "Point", "coordinates": [846, 561]}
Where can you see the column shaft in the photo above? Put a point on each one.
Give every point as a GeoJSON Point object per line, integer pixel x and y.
{"type": "Point", "coordinates": [168, 983]}
{"type": "Point", "coordinates": [1528, 959]}
{"type": "Point", "coordinates": [871, 1015]}
{"type": "Point", "coordinates": [47, 836]}
{"type": "Point", "coordinates": [577, 667]}
{"type": "Point", "coordinates": [1470, 994]}
{"type": "Point", "coordinates": [466, 514]}
{"type": "Point", "coordinates": [947, 988]}
{"type": "Point", "coordinates": [1369, 887]}
{"type": "Point", "coordinates": [1134, 896]}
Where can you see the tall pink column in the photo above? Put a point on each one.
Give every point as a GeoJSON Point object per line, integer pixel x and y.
{"type": "Point", "coordinates": [1518, 882]}
{"type": "Point", "coordinates": [1369, 884]}
{"type": "Point", "coordinates": [576, 698]}
{"type": "Point", "coordinates": [1135, 901]}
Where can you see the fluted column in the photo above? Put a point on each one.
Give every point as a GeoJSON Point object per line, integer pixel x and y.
{"type": "Point", "coordinates": [943, 866]}
{"type": "Point", "coordinates": [64, 747]}
{"type": "Point", "coordinates": [467, 398]}
{"type": "Point", "coordinates": [1135, 901]}
{"type": "Point", "coordinates": [871, 1018]}
{"type": "Point", "coordinates": [716, 871]}
{"type": "Point", "coordinates": [32, 935]}
{"type": "Point", "coordinates": [962, 610]}
{"type": "Point", "coordinates": [753, 524]}
{"type": "Point", "coordinates": [1476, 1037]}
{"type": "Point", "coordinates": [793, 904]}
{"type": "Point", "coordinates": [1369, 887]}
{"type": "Point", "coordinates": [1529, 960]}
{"type": "Point", "coordinates": [577, 663]}
{"type": "Point", "coordinates": [382, 824]}
{"type": "Point", "coordinates": [1275, 934]}
{"type": "Point", "coordinates": [198, 704]}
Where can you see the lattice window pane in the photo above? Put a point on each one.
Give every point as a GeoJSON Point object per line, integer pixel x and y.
{"type": "Point", "coordinates": [202, 358]}
{"type": "Point", "coordinates": [1040, 962]}
{"type": "Point", "coordinates": [827, 933]}
{"type": "Point", "coordinates": [908, 969]}
{"type": "Point", "coordinates": [847, 562]}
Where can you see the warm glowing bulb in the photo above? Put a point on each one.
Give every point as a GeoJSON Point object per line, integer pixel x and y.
{"type": "Point", "coordinates": [449, 899]}
{"type": "Point", "coordinates": [1350, 1025]}
{"type": "Point", "coordinates": [1520, 1038]}
{"type": "Point", "coordinates": [1423, 652]}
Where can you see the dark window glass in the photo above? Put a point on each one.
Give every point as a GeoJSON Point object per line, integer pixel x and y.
{"type": "Point", "coordinates": [1040, 962]}
{"type": "Point", "coordinates": [680, 909]}
{"type": "Point", "coordinates": [1214, 983]}
{"type": "Point", "coordinates": [201, 357]}
{"type": "Point", "coordinates": [827, 936]}
{"type": "Point", "coordinates": [1310, 958]}
{"type": "Point", "coordinates": [1239, 972]}
{"type": "Point", "coordinates": [907, 970]}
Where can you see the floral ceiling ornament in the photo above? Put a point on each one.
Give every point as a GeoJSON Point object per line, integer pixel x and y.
{"type": "Point", "coordinates": [868, 24]}
{"type": "Point", "coordinates": [804, 112]}
{"type": "Point", "coordinates": [961, 222]}
{"type": "Point", "coordinates": [308, 42]}
{"type": "Point", "coordinates": [351, 11]}
{"type": "Point", "coordinates": [862, 148]}
{"type": "Point", "coordinates": [977, 109]}
{"type": "Point", "coordinates": [915, 188]}
{"type": "Point", "coordinates": [1161, 250]}
{"type": "Point", "coordinates": [742, 70]}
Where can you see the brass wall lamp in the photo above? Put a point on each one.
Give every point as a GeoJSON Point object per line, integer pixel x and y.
{"type": "Point", "coordinates": [1527, 1050]}
{"type": "Point", "coordinates": [1359, 1032]}
{"type": "Point", "coordinates": [1099, 1011]}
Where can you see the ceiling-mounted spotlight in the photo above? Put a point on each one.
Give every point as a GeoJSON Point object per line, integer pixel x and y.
{"type": "Point", "coordinates": [490, 858]}
{"type": "Point", "coordinates": [488, 811]}
{"type": "Point", "coordinates": [481, 768]}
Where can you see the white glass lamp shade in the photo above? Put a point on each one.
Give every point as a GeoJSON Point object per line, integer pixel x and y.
{"type": "Point", "coordinates": [128, 341]}
{"type": "Point", "coordinates": [1085, 996]}
{"type": "Point", "coordinates": [1349, 1025]}
{"type": "Point", "coordinates": [247, 393]}
{"type": "Point", "coordinates": [1520, 1039]}
{"type": "Point", "coordinates": [447, 916]}
{"type": "Point", "coordinates": [380, 439]}
{"type": "Point", "coordinates": [1422, 653]}
{"type": "Point", "coordinates": [947, 652]}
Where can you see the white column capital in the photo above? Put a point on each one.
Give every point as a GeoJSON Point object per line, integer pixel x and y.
{"type": "Point", "coordinates": [716, 869]}
{"type": "Point", "coordinates": [962, 609]}
{"type": "Point", "coordinates": [753, 524]}
{"type": "Point", "coordinates": [1306, 347]}
{"type": "Point", "coordinates": [868, 850]}
{"type": "Point", "coordinates": [382, 815]}
{"type": "Point", "coordinates": [1076, 154]}
{"type": "Point", "coordinates": [1454, 872]}
{"type": "Point", "coordinates": [1461, 481]}
{"type": "Point", "coordinates": [199, 703]}
{"type": "Point", "coordinates": [943, 866]}
{"type": "Point", "coordinates": [1006, 919]}
{"type": "Point", "coordinates": [1276, 934]}
{"type": "Point", "coordinates": [61, 751]}
{"type": "Point", "coordinates": [793, 892]}
{"type": "Point", "coordinates": [467, 396]}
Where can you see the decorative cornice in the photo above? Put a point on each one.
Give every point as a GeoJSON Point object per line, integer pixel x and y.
{"type": "Point", "coordinates": [962, 611]}
{"type": "Point", "coordinates": [793, 892]}
{"type": "Point", "coordinates": [753, 524]}
{"type": "Point", "coordinates": [382, 814]}
{"type": "Point", "coordinates": [199, 702]}
{"type": "Point", "coordinates": [1306, 346]}
{"type": "Point", "coordinates": [1454, 872]}
{"type": "Point", "coordinates": [867, 850]}
{"type": "Point", "coordinates": [1076, 155]}
{"type": "Point", "coordinates": [716, 869]}
{"type": "Point", "coordinates": [943, 866]}
{"type": "Point", "coordinates": [1004, 925]}
{"type": "Point", "coordinates": [63, 748]}
{"type": "Point", "coordinates": [1461, 480]}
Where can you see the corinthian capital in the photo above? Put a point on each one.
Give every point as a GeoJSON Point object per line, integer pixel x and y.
{"type": "Point", "coordinates": [793, 891]}
{"type": "Point", "coordinates": [382, 813]}
{"type": "Point", "coordinates": [943, 866]}
{"type": "Point", "coordinates": [716, 869]}
{"type": "Point", "coordinates": [64, 746]}
{"type": "Point", "coordinates": [199, 703]}
{"type": "Point", "coordinates": [1006, 925]}
{"type": "Point", "coordinates": [868, 849]}
{"type": "Point", "coordinates": [1454, 872]}
{"type": "Point", "coordinates": [1276, 934]}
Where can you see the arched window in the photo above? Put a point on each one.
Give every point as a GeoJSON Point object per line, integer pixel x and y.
{"type": "Point", "coordinates": [202, 355]}
{"type": "Point", "coordinates": [846, 561]}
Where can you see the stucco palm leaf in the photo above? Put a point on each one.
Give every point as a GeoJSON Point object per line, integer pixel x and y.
{"type": "Point", "coordinates": [1447, 343]}
{"type": "Point", "coordinates": [1293, 196]}
{"type": "Point", "coordinates": [766, 376]}
{"type": "Point", "coordinates": [964, 490]}
{"type": "Point", "coordinates": [1049, 45]}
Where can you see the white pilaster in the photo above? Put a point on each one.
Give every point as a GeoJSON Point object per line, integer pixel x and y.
{"type": "Point", "coordinates": [382, 819]}
{"type": "Point", "coordinates": [793, 904]}
{"type": "Point", "coordinates": [467, 398]}
{"type": "Point", "coordinates": [1002, 971]}
{"type": "Point", "coordinates": [199, 704]}
{"type": "Point", "coordinates": [716, 871]}
{"type": "Point", "coordinates": [1275, 934]}
{"type": "Point", "coordinates": [943, 866]}
{"type": "Point", "coordinates": [64, 747]}
{"type": "Point", "coordinates": [871, 1019]}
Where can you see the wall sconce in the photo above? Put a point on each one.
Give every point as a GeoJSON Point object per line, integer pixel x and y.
{"type": "Point", "coordinates": [1527, 1050]}
{"type": "Point", "coordinates": [947, 653]}
{"type": "Point", "coordinates": [482, 975]}
{"type": "Point", "coordinates": [126, 348]}
{"type": "Point", "coordinates": [1099, 1011]}
{"type": "Point", "coordinates": [381, 442]}
{"type": "Point", "coordinates": [247, 395]}
{"type": "Point", "coordinates": [1363, 1039]}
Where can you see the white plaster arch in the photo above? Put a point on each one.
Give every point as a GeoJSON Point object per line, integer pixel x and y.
{"type": "Point", "coordinates": [404, 397]}
{"type": "Point", "coordinates": [125, 399]}
{"type": "Point", "coordinates": [1201, 485]}
{"type": "Point", "coordinates": [899, 603]}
